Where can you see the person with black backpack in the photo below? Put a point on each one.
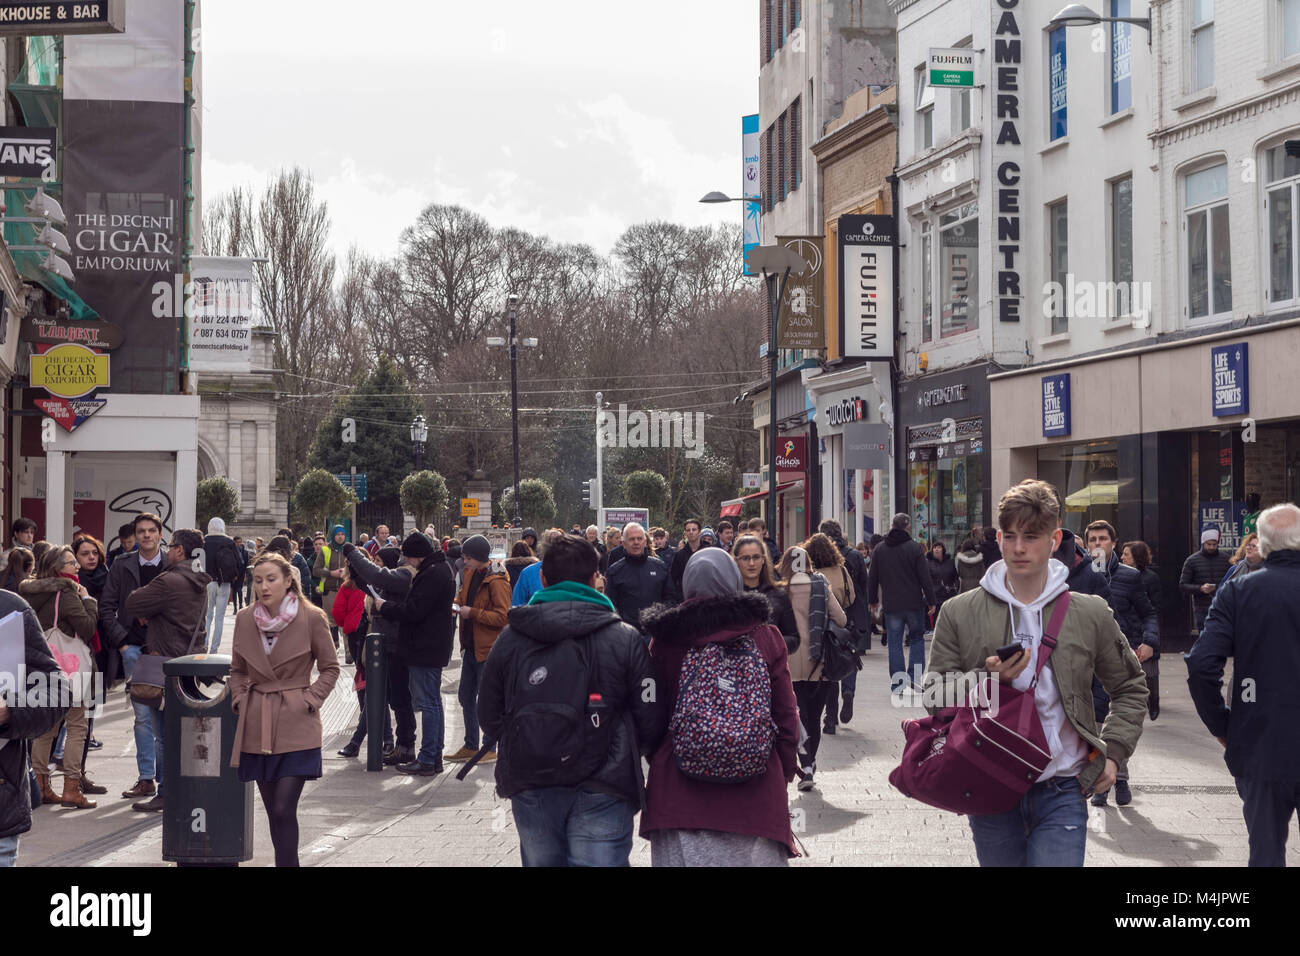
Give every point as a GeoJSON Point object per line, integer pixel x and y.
{"type": "Point", "coordinates": [716, 793]}
{"type": "Point", "coordinates": [569, 692]}
{"type": "Point", "coordinates": [224, 562]}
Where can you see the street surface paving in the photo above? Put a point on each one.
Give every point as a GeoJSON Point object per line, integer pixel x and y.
{"type": "Point", "coordinates": [1185, 810]}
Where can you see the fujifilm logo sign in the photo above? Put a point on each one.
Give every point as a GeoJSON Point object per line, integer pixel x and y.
{"type": "Point", "coordinates": [76, 909]}
{"type": "Point", "coordinates": [866, 247]}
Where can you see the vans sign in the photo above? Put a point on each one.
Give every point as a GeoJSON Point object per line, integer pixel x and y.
{"type": "Point", "coordinates": [26, 151]}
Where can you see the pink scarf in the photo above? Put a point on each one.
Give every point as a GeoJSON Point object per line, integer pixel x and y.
{"type": "Point", "coordinates": [268, 624]}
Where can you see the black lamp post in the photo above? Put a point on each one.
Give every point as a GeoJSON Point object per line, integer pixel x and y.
{"type": "Point", "coordinates": [419, 434]}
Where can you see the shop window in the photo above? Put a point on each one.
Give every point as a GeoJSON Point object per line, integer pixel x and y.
{"type": "Point", "coordinates": [1209, 253]}
{"type": "Point", "coordinates": [1202, 44]}
{"type": "Point", "coordinates": [1087, 476]}
{"type": "Point", "coordinates": [1058, 220]}
{"type": "Point", "coordinates": [1121, 230]}
{"type": "Point", "coordinates": [1289, 14]}
{"type": "Point", "coordinates": [946, 492]}
{"type": "Point", "coordinates": [927, 283]}
{"type": "Point", "coordinates": [959, 270]}
{"type": "Point", "coordinates": [1121, 59]}
{"type": "Point", "coordinates": [1282, 224]}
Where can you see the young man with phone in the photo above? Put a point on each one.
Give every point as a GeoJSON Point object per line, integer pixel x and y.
{"type": "Point", "coordinates": [998, 627]}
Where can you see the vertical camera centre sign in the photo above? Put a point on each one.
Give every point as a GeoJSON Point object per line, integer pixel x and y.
{"type": "Point", "coordinates": [1007, 58]}
{"type": "Point", "coordinates": [866, 254]}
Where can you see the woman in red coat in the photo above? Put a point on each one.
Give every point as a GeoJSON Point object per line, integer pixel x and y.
{"type": "Point", "coordinates": [693, 822]}
{"type": "Point", "coordinates": [350, 615]}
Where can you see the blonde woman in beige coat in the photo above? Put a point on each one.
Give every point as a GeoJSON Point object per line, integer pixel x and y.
{"type": "Point", "coordinates": [810, 691]}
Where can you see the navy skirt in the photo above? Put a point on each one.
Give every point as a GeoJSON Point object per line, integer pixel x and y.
{"type": "Point", "coordinates": [261, 768]}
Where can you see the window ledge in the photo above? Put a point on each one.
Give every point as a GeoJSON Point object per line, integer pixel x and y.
{"type": "Point", "coordinates": [1060, 338]}
{"type": "Point", "coordinates": [1116, 118]}
{"type": "Point", "coordinates": [1055, 145]}
{"type": "Point", "coordinates": [1281, 68]}
{"type": "Point", "coordinates": [1196, 99]}
{"type": "Point", "coordinates": [1140, 322]}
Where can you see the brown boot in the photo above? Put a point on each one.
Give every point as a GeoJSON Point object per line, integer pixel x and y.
{"type": "Point", "coordinates": [73, 797]}
{"type": "Point", "coordinates": [47, 793]}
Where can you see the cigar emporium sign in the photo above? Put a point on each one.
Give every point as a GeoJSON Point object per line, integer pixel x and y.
{"type": "Point", "coordinates": [70, 363]}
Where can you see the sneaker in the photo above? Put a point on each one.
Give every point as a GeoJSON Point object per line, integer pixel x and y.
{"type": "Point", "coordinates": [417, 769]}
{"type": "Point", "coordinates": [806, 783]}
{"type": "Point", "coordinates": [149, 806]}
{"type": "Point", "coordinates": [94, 744]}
{"type": "Point", "coordinates": [89, 786]}
{"type": "Point", "coordinates": [1123, 795]}
{"type": "Point", "coordinates": [1099, 799]}
{"type": "Point", "coordinates": [489, 757]}
{"type": "Point", "coordinates": [142, 788]}
{"type": "Point", "coordinates": [460, 756]}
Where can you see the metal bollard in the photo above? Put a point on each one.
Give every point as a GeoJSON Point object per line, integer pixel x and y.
{"type": "Point", "coordinates": [376, 700]}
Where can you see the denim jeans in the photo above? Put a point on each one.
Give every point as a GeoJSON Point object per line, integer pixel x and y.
{"type": "Point", "coordinates": [914, 621]}
{"type": "Point", "coordinates": [9, 849]}
{"type": "Point", "coordinates": [471, 675]}
{"type": "Point", "coordinates": [399, 700]}
{"type": "Point", "coordinates": [359, 735]}
{"type": "Point", "coordinates": [218, 598]}
{"type": "Point", "coordinates": [565, 826]}
{"type": "Point", "coordinates": [1048, 828]}
{"type": "Point", "coordinates": [426, 697]}
{"type": "Point", "coordinates": [148, 727]}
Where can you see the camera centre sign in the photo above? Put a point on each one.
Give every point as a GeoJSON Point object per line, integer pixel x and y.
{"type": "Point", "coordinates": [47, 19]}
{"type": "Point", "coordinates": [1007, 59]}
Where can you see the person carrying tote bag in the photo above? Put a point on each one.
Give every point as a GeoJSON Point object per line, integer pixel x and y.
{"type": "Point", "coordinates": [68, 614]}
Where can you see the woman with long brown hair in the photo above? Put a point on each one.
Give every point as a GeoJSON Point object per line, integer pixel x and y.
{"type": "Point", "coordinates": [278, 737]}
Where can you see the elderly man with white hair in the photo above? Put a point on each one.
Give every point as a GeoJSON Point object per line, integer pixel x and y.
{"type": "Point", "coordinates": [638, 579]}
{"type": "Point", "coordinates": [1255, 620]}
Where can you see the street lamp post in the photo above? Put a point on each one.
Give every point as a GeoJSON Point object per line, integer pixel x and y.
{"type": "Point", "coordinates": [419, 435]}
{"type": "Point", "coordinates": [513, 343]}
{"type": "Point", "coordinates": [1077, 15]}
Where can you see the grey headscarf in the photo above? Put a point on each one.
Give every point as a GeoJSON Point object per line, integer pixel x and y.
{"type": "Point", "coordinates": [711, 572]}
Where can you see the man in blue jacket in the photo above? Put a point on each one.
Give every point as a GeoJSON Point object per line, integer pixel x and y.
{"type": "Point", "coordinates": [1255, 620]}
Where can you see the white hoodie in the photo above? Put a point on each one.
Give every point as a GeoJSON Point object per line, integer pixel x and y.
{"type": "Point", "coordinates": [1068, 749]}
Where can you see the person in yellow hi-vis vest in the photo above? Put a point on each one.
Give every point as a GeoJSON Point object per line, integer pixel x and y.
{"type": "Point", "coordinates": [329, 568]}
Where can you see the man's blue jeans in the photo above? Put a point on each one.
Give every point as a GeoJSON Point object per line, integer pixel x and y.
{"type": "Point", "coordinates": [914, 621]}
{"type": "Point", "coordinates": [148, 726]}
{"type": "Point", "coordinates": [426, 698]}
{"type": "Point", "coordinates": [1048, 828]}
{"type": "Point", "coordinates": [9, 848]}
{"type": "Point", "coordinates": [471, 675]}
{"type": "Point", "coordinates": [218, 598]}
{"type": "Point", "coordinates": [565, 826]}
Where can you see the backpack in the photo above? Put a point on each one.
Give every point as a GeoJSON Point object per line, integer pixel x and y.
{"type": "Point", "coordinates": [557, 730]}
{"type": "Point", "coordinates": [722, 728]}
{"type": "Point", "coordinates": [228, 564]}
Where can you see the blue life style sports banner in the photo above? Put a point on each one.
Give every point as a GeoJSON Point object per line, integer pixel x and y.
{"type": "Point", "coordinates": [123, 184]}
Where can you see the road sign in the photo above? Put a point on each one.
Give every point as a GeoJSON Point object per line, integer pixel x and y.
{"type": "Point", "coordinates": [618, 517]}
{"type": "Point", "coordinates": [752, 479]}
{"type": "Point", "coordinates": [362, 488]}
{"type": "Point", "coordinates": [469, 507]}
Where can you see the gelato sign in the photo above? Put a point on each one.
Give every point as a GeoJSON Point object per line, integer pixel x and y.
{"type": "Point", "coordinates": [791, 453]}
{"type": "Point", "coordinates": [69, 371]}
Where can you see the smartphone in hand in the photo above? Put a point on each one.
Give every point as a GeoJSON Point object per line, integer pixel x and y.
{"type": "Point", "coordinates": [1009, 652]}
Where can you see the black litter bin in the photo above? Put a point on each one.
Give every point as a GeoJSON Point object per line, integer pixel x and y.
{"type": "Point", "coordinates": [207, 812]}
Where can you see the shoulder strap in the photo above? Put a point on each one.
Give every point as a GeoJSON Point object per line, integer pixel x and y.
{"type": "Point", "coordinates": [56, 607]}
{"type": "Point", "coordinates": [1050, 633]}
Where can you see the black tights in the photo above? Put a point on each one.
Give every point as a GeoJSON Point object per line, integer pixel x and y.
{"type": "Point", "coordinates": [280, 797]}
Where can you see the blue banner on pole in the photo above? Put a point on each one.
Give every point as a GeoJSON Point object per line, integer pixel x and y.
{"type": "Point", "coordinates": [752, 189]}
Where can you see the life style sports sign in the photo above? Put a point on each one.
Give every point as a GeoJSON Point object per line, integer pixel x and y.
{"type": "Point", "coordinates": [866, 260]}
{"type": "Point", "coordinates": [45, 19]}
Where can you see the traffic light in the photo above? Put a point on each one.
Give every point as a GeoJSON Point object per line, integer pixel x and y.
{"type": "Point", "coordinates": [586, 492]}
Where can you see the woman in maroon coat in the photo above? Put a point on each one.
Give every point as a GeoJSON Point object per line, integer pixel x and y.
{"type": "Point", "coordinates": [693, 822]}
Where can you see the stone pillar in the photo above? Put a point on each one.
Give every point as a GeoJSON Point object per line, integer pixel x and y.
{"type": "Point", "coordinates": [187, 480]}
{"type": "Point", "coordinates": [56, 496]}
{"type": "Point", "coordinates": [264, 476]}
{"type": "Point", "coordinates": [235, 455]}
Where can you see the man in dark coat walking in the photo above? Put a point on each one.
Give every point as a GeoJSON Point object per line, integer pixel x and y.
{"type": "Point", "coordinates": [859, 617]}
{"type": "Point", "coordinates": [638, 580]}
{"type": "Point", "coordinates": [1255, 620]}
{"type": "Point", "coordinates": [1202, 573]}
{"type": "Point", "coordinates": [901, 575]}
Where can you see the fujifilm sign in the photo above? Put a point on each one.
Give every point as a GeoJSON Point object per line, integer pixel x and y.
{"type": "Point", "coordinates": [866, 246]}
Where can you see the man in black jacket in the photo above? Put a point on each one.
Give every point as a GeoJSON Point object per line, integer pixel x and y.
{"type": "Point", "coordinates": [690, 544]}
{"type": "Point", "coordinates": [1136, 618]}
{"type": "Point", "coordinates": [393, 582]}
{"type": "Point", "coordinates": [901, 575]}
{"type": "Point", "coordinates": [1202, 573]}
{"type": "Point", "coordinates": [128, 634]}
{"type": "Point", "coordinates": [571, 808]}
{"type": "Point", "coordinates": [424, 634]}
{"type": "Point", "coordinates": [45, 696]}
{"type": "Point", "coordinates": [663, 550]}
{"type": "Point", "coordinates": [1255, 620]}
{"type": "Point", "coordinates": [859, 617]}
{"type": "Point", "coordinates": [638, 580]}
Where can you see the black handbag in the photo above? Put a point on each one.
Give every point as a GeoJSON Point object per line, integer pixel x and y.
{"type": "Point", "coordinates": [148, 680]}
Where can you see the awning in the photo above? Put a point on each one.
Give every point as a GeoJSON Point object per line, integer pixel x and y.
{"type": "Point", "coordinates": [29, 267]}
{"type": "Point", "coordinates": [1093, 494]}
{"type": "Point", "coordinates": [731, 508]}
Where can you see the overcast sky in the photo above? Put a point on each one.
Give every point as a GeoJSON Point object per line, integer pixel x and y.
{"type": "Point", "coordinates": [574, 118]}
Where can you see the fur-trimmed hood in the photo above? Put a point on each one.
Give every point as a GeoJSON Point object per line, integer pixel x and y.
{"type": "Point", "coordinates": [520, 562]}
{"type": "Point", "coordinates": [705, 620]}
